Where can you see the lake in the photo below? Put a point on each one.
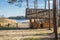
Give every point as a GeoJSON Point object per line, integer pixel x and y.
{"type": "Point", "coordinates": [21, 20]}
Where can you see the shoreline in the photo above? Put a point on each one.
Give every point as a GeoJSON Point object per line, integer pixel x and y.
{"type": "Point", "coordinates": [14, 24]}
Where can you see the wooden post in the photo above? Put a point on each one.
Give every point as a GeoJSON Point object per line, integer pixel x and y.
{"type": "Point", "coordinates": [35, 4]}
{"type": "Point", "coordinates": [0, 25]}
{"type": "Point", "coordinates": [35, 7]}
{"type": "Point", "coordinates": [30, 22]}
{"type": "Point", "coordinates": [8, 24]}
{"type": "Point", "coordinates": [17, 25]}
{"type": "Point", "coordinates": [59, 13]}
{"type": "Point", "coordinates": [54, 19]}
{"type": "Point", "coordinates": [45, 4]}
{"type": "Point", "coordinates": [45, 9]}
{"type": "Point", "coordinates": [49, 13]}
{"type": "Point", "coordinates": [27, 3]}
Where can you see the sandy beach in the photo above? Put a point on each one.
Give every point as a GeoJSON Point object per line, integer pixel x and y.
{"type": "Point", "coordinates": [31, 33]}
{"type": "Point", "coordinates": [13, 23]}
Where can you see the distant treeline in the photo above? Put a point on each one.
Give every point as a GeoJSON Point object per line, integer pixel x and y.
{"type": "Point", "coordinates": [17, 17]}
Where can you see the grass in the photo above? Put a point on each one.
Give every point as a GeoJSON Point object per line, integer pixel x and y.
{"type": "Point", "coordinates": [12, 28]}
{"type": "Point", "coordinates": [41, 39]}
{"type": "Point", "coordinates": [3, 28]}
{"type": "Point", "coordinates": [32, 39]}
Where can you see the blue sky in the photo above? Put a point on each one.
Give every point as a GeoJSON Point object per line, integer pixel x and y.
{"type": "Point", "coordinates": [7, 9]}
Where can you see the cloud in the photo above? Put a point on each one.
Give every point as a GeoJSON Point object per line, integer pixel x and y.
{"type": "Point", "coordinates": [51, 2]}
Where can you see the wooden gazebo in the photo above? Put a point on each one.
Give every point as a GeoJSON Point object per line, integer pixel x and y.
{"type": "Point", "coordinates": [36, 16]}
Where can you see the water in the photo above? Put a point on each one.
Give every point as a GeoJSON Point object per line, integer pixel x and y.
{"type": "Point", "coordinates": [23, 23]}
{"type": "Point", "coordinates": [21, 20]}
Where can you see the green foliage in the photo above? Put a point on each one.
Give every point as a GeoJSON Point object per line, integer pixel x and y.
{"type": "Point", "coordinates": [16, 2]}
{"type": "Point", "coordinates": [17, 17]}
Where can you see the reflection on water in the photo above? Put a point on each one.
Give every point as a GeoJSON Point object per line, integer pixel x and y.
{"type": "Point", "coordinates": [21, 20]}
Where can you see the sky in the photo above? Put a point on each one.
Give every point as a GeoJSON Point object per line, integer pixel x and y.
{"type": "Point", "coordinates": [7, 9]}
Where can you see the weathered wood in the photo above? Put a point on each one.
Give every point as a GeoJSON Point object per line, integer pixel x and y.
{"type": "Point", "coordinates": [45, 4]}
{"type": "Point", "coordinates": [54, 19]}
{"type": "Point", "coordinates": [49, 13]}
{"type": "Point", "coordinates": [27, 3]}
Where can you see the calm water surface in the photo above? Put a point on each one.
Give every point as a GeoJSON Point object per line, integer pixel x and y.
{"type": "Point", "coordinates": [21, 20]}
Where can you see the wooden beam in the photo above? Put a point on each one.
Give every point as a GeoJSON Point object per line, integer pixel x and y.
{"type": "Point", "coordinates": [54, 19]}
